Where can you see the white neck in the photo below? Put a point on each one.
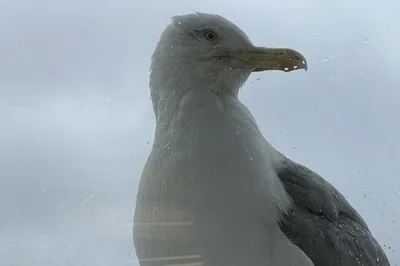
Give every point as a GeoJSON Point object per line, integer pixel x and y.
{"type": "Point", "coordinates": [215, 136]}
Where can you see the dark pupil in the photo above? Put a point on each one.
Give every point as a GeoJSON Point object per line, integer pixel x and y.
{"type": "Point", "coordinates": [210, 35]}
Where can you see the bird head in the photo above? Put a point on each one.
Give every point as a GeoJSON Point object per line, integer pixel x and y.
{"type": "Point", "coordinates": [202, 50]}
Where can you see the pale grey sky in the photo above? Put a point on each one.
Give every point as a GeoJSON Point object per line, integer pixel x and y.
{"type": "Point", "coordinates": [77, 123]}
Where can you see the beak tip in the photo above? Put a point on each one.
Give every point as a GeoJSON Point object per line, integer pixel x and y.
{"type": "Point", "coordinates": [305, 64]}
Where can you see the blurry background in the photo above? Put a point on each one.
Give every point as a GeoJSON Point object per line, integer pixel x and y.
{"type": "Point", "coordinates": [76, 122]}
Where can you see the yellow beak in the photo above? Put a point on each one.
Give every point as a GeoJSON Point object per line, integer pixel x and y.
{"type": "Point", "coordinates": [262, 59]}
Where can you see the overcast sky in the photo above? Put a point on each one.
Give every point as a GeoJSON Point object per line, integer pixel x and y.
{"type": "Point", "coordinates": [77, 124]}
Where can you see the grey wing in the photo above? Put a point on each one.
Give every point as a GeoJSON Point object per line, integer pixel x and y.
{"type": "Point", "coordinates": [323, 223]}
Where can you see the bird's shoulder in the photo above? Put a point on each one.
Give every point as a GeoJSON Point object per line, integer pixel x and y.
{"type": "Point", "coordinates": [309, 190]}
{"type": "Point", "coordinates": [323, 223]}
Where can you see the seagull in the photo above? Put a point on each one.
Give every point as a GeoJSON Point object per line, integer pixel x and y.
{"type": "Point", "coordinates": [214, 192]}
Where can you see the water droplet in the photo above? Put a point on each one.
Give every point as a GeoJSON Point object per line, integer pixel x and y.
{"type": "Point", "coordinates": [365, 40]}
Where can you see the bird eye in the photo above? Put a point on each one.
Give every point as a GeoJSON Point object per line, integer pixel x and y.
{"type": "Point", "coordinates": [209, 35]}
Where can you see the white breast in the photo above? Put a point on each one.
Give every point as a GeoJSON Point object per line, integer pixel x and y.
{"type": "Point", "coordinates": [210, 173]}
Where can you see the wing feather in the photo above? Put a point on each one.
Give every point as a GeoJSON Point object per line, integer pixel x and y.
{"type": "Point", "coordinates": [323, 223]}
